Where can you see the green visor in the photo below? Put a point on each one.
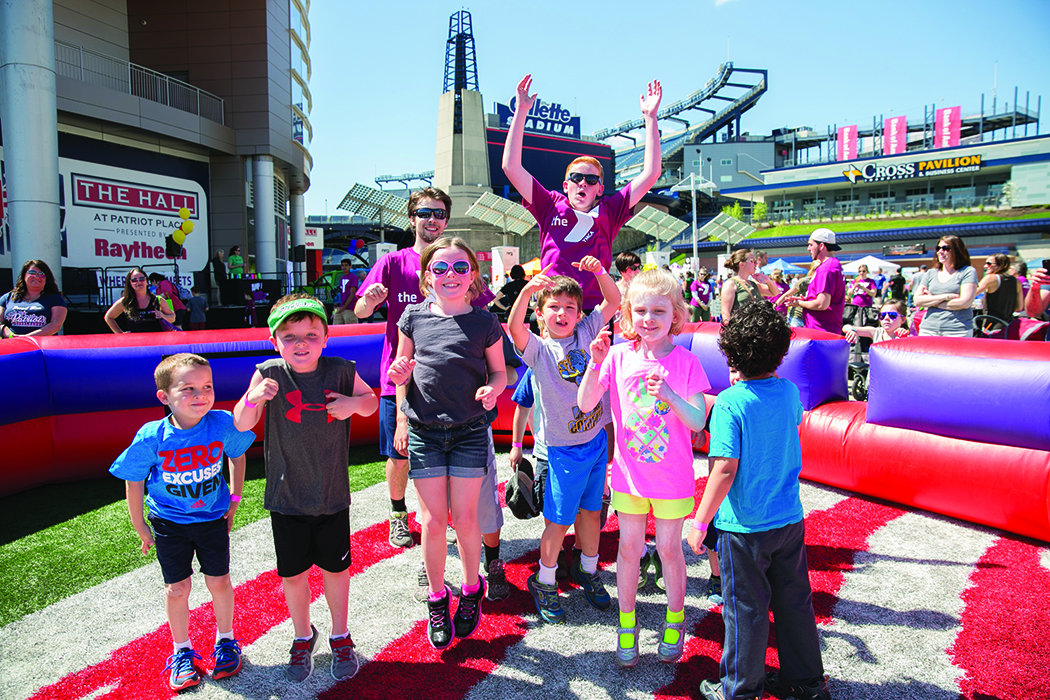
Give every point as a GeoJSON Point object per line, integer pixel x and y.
{"type": "Point", "coordinates": [279, 313]}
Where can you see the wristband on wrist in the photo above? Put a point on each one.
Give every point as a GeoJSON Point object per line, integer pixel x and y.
{"type": "Point", "coordinates": [601, 271]}
{"type": "Point", "coordinates": [235, 497]}
{"type": "Point", "coordinates": [516, 444]}
{"type": "Point", "coordinates": [248, 403]}
{"type": "Point", "coordinates": [697, 525]}
{"type": "Point", "coordinates": [595, 366]}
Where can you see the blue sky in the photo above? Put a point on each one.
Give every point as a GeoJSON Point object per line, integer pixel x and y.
{"type": "Point", "coordinates": [378, 66]}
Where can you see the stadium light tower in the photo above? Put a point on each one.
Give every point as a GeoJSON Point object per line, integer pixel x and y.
{"type": "Point", "coordinates": [461, 67]}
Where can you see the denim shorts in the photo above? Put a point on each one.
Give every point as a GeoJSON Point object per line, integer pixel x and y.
{"type": "Point", "coordinates": [455, 450]}
{"type": "Point", "coordinates": [387, 426]}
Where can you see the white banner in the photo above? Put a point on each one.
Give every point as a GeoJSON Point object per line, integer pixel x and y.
{"type": "Point", "coordinates": [117, 218]}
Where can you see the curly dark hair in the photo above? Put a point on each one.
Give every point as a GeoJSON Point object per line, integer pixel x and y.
{"type": "Point", "coordinates": [755, 339]}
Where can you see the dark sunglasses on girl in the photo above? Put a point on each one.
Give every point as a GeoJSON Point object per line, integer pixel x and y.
{"type": "Point", "coordinates": [944, 247]}
{"type": "Point", "coordinates": [580, 177]}
{"type": "Point", "coordinates": [438, 214]}
{"type": "Point", "coordinates": [892, 315]}
{"type": "Point", "coordinates": [460, 267]}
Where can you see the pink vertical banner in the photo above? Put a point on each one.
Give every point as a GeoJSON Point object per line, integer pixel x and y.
{"type": "Point", "coordinates": [847, 142]}
{"type": "Point", "coordinates": [895, 136]}
{"type": "Point", "coordinates": [946, 127]}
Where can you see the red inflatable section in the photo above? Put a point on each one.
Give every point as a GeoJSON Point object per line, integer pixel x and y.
{"type": "Point", "coordinates": [997, 485]}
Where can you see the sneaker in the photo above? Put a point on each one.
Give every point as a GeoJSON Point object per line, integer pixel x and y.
{"type": "Point", "coordinates": [227, 655]}
{"type": "Point", "coordinates": [439, 621]}
{"type": "Point", "coordinates": [711, 690]}
{"type": "Point", "coordinates": [643, 569]}
{"type": "Point", "coordinates": [498, 588]}
{"type": "Point", "coordinates": [592, 587]}
{"type": "Point", "coordinates": [301, 662]}
{"type": "Point", "coordinates": [669, 653]}
{"type": "Point", "coordinates": [344, 661]}
{"type": "Point", "coordinates": [714, 591]}
{"type": "Point", "coordinates": [184, 672]}
{"type": "Point", "coordinates": [658, 571]}
{"type": "Point", "coordinates": [400, 535]}
{"type": "Point", "coordinates": [450, 534]}
{"type": "Point", "coordinates": [627, 658]}
{"type": "Point", "coordinates": [468, 612]}
{"type": "Point", "coordinates": [546, 598]}
{"type": "Point", "coordinates": [422, 590]}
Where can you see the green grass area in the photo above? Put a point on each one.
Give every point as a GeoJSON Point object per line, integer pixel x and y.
{"type": "Point", "coordinates": [890, 223]}
{"type": "Point", "coordinates": [61, 539]}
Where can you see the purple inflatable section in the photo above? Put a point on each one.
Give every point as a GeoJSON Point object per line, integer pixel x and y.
{"type": "Point", "coordinates": [994, 391]}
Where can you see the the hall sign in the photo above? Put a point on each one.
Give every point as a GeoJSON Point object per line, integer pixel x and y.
{"type": "Point", "coordinates": [879, 172]}
{"type": "Point", "coordinates": [544, 118]}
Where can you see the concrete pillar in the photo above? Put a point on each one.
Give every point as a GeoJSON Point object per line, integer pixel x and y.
{"type": "Point", "coordinates": [297, 214]}
{"type": "Point", "coordinates": [29, 115]}
{"type": "Point", "coordinates": [265, 227]}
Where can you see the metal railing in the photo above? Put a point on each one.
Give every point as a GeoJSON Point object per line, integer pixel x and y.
{"type": "Point", "coordinates": [95, 68]}
{"type": "Point", "coordinates": [884, 209]}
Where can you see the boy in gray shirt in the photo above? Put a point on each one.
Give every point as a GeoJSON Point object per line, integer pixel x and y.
{"type": "Point", "coordinates": [576, 442]}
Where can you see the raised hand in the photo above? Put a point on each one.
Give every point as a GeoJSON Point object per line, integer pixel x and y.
{"type": "Point", "coordinates": [524, 99]}
{"type": "Point", "coordinates": [266, 390]}
{"type": "Point", "coordinates": [589, 263]}
{"type": "Point", "coordinates": [600, 346]}
{"type": "Point", "coordinates": [650, 102]}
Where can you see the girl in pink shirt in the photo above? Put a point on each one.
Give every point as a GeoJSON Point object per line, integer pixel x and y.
{"type": "Point", "coordinates": [656, 390]}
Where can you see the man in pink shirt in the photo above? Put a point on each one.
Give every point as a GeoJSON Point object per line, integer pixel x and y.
{"type": "Point", "coordinates": [826, 296]}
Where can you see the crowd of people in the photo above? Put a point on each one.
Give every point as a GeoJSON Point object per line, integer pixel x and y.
{"type": "Point", "coordinates": [612, 424]}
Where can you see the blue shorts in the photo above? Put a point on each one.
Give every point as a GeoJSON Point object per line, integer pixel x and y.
{"type": "Point", "coordinates": [177, 543]}
{"type": "Point", "coordinates": [575, 479]}
{"type": "Point", "coordinates": [387, 426]}
{"type": "Point", "coordinates": [441, 451]}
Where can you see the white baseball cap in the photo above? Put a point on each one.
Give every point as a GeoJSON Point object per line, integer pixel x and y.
{"type": "Point", "coordinates": [825, 236]}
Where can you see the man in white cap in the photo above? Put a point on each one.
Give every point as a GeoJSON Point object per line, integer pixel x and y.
{"type": "Point", "coordinates": [826, 296]}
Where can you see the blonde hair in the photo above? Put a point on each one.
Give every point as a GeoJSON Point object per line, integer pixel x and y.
{"type": "Point", "coordinates": [444, 243]}
{"type": "Point", "coordinates": [163, 374]}
{"type": "Point", "coordinates": [659, 283]}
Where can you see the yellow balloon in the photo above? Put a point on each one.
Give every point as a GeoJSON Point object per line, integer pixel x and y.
{"type": "Point", "coordinates": [184, 213]}
{"type": "Point", "coordinates": [187, 226]}
{"type": "Point", "coordinates": [179, 237]}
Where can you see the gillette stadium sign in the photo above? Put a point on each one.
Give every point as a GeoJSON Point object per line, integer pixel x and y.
{"type": "Point", "coordinates": [548, 118]}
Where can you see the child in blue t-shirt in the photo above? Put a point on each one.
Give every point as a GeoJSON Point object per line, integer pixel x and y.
{"type": "Point", "coordinates": [755, 461]}
{"type": "Point", "coordinates": [177, 463]}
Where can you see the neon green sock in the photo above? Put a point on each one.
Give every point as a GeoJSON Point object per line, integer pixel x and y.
{"type": "Point", "coordinates": [671, 636]}
{"type": "Point", "coordinates": [627, 621]}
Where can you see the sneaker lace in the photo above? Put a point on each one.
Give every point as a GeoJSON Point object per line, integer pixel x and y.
{"type": "Point", "coordinates": [343, 652]}
{"type": "Point", "coordinates": [400, 527]}
{"type": "Point", "coordinates": [437, 614]}
{"type": "Point", "coordinates": [300, 652]}
{"type": "Point", "coordinates": [181, 659]}
{"type": "Point", "coordinates": [224, 651]}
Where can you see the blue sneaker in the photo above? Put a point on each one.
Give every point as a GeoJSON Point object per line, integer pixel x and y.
{"type": "Point", "coordinates": [184, 672]}
{"type": "Point", "coordinates": [592, 587]}
{"type": "Point", "coordinates": [546, 598]}
{"type": "Point", "coordinates": [227, 655]}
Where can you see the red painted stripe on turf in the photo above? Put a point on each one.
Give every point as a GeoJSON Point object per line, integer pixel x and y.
{"type": "Point", "coordinates": [1005, 625]}
{"type": "Point", "coordinates": [137, 668]}
{"type": "Point", "coordinates": [833, 539]}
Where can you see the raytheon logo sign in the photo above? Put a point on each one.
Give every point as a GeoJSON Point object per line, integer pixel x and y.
{"type": "Point", "coordinates": [880, 172]}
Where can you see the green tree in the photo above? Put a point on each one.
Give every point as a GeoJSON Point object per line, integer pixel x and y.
{"type": "Point", "coordinates": [736, 211]}
{"type": "Point", "coordinates": [760, 211]}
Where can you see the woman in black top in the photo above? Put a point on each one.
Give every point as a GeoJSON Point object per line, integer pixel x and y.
{"type": "Point", "coordinates": [142, 308]}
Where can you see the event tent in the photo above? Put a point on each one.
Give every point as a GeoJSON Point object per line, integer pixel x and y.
{"type": "Point", "coordinates": [784, 266]}
{"type": "Point", "coordinates": [873, 264]}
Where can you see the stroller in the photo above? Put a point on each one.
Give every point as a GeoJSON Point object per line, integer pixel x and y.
{"type": "Point", "coordinates": [985, 326]}
{"type": "Point", "coordinates": [858, 362]}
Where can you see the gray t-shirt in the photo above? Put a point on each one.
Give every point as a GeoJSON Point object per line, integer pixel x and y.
{"type": "Point", "coordinates": [450, 363]}
{"type": "Point", "coordinates": [557, 366]}
{"type": "Point", "coordinates": [307, 451]}
{"type": "Point", "coordinates": [944, 321]}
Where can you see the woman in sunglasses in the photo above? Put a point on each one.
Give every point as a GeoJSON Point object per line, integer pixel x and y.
{"type": "Point", "coordinates": [1002, 291]}
{"type": "Point", "coordinates": [34, 306]}
{"type": "Point", "coordinates": [449, 370]}
{"type": "Point", "coordinates": [143, 309]}
{"type": "Point", "coordinates": [947, 292]}
{"type": "Point", "coordinates": [893, 323]}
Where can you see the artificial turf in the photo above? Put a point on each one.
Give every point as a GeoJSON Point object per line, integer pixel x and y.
{"type": "Point", "coordinates": [60, 539]}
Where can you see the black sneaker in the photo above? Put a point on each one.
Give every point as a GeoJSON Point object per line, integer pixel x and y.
{"type": "Point", "coordinates": [496, 582]}
{"type": "Point", "coordinates": [439, 621]}
{"type": "Point", "coordinates": [468, 612]}
{"type": "Point", "coordinates": [658, 571]}
{"type": "Point", "coordinates": [813, 690]}
{"type": "Point", "coordinates": [566, 562]}
{"type": "Point", "coordinates": [643, 568]}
